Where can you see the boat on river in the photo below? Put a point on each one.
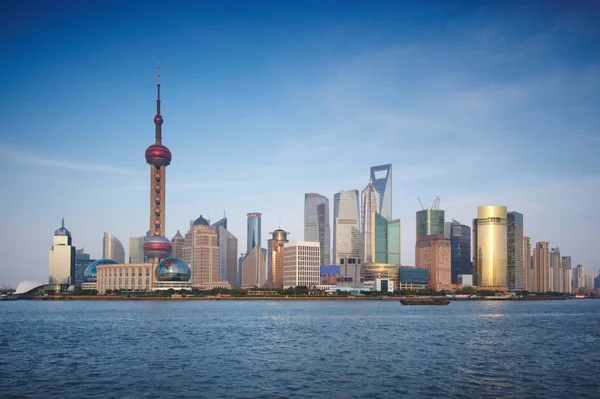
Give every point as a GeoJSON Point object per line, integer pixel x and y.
{"type": "Point", "coordinates": [425, 301]}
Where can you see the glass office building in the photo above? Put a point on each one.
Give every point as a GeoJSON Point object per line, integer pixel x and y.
{"type": "Point", "coordinates": [490, 245]}
{"type": "Point", "coordinates": [514, 262]}
{"type": "Point", "coordinates": [393, 241]}
{"type": "Point", "coordinates": [316, 223]}
{"type": "Point", "coordinates": [381, 176]}
{"type": "Point", "coordinates": [460, 240]}
{"type": "Point", "coordinates": [254, 233]}
{"type": "Point", "coordinates": [430, 221]}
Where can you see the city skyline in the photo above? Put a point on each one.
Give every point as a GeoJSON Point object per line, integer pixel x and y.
{"type": "Point", "coordinates": [100, 108]}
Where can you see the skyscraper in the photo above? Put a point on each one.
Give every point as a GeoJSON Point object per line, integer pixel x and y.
{"type": "Point", "coordinates": [567, 278]}
{"type": "Point", "coordinates": [136, 249]}
{"type": "Point", "coordinates": [61, 268]}
{"type": "Point", "coordinates": [385, 240]}
{"type": "Point", "coordinates": [369, 206]}
{"type": "Point", "coordinates": [202, 253]}
{"type": "Point", "coordinates": [254, 269]}
{"type": "Point", "coordinates": [541, 267]}
{"type": "Point", "coordinates": [579, 277]}
{"type": "Point", "coordinates": [381, 176]}
{"type": "Point", "coordinates": [348, 248]}
{"type": "Point", "coordinates": [254, 231]}
{"type": "Point", "coordinates": [514, 263]}
{"type": "Point", "coordinates": [433, 252]}
{"type": "Point", "coordinates": [301, 264]}
{"type": "Point", "coordinates": [275, 258]}
{"type": "Point", "coordinates": [228, 250]}
{"type": "Point", "coordinates": [82, 261]}
{"type": "Point", "coordinates": [177, 243]}
{"type": "Point", "coordinates": [394, 234]}
{"type": "Point", "coordinates": [460, 242]}
{"type": "Point", "coordinates": [157, 246]}
{"type": "Point", "coordinates": [527, 272]}
{"type": "Point", "coordinates": [556, 285]}
{"type": "Point", "coordinates": [316, 223]}
{"type": "Point", "coordinates": [112, 248]}
{"type": "Point", "coordinates": [430, 221]}
{"type": "Point", "coordinates": [489, 243]}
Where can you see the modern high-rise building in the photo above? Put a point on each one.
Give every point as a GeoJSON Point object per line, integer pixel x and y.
{"type": "Point", "coordinates": [381, 176]}
{"type": "Point", "coordinates": [568, 276]}
{"type": "Point", "coordinates": [177, 243]}
{"type": "Point", "coordinates": [527, 271]}
{"type": "Point", "coordinates": [61, 269]}
{"type": "Point", "coordinates": [433, 252]}
{"type": "Point", "coordinates": [275, 257]}
{"type": "Point", "coordinates": [430, 221]}
{"type": "Point", "coordinates": [579, 277]}
{"type": "Point", "coordinates": [490, 247]}
{"type": "Point", "coordinates": [514, 262]}
{"type": "Point", "coordinates": [369, 206]}
{"type": "Point", "coordinates": [82, 261]}
{"type": "Point", "coordinates": [201, 252]}
{"type": "Point", "coordinates": [112, 248]}
{"type": "Point", "coordinates": [301, 264]}
{"type": "Point", "coordinates": [228, 250]}
{"type": "Point", "coordinates": [157, 246]}
{"type": "Point", "coordinates": [316, 223]}
{"type": "Point", "coordinates": [557, 283]}
{"type": "Point", "coordinates": [136, 249]}
{"type": "Point", "coordinates": [385, 240]}
{"type": "Point", "coordinates": [460, 242]}
{"type": "Point", "coordinates": [254, 269]}
{"type": "Point", "coordinates": [347, 238]}
{"type": "Point", "coordinates": [541, 267]}
{"type": "Point", "coordinates": [254, 231]}
{"type": "Point", "coordinates": [448, 230]}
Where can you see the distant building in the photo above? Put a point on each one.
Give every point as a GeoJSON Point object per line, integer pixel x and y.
{"type": "Point", "coordinates": [61, 269]}
{"type": "Point", "coordinates": [275, 258]}
{"type": "Point", "coordinates": [177, 243]}
{"type": "Point", "coordinates": [301, 264]}
{"type": "Point", "coordinates": [201, 252]}
{"type": "Point", "coordinates": [369, 207]}
{"type": "Point", "coordinates": [136, 250]}
{"type": "Point", "coordinates": [448, 229]}
{"type": "Point", "coordinates": [410, 278]}
{"type": "Point", "coordinates": [541, 267]}
{"type": "Point", "coordinates": [385, 240]}
{"type": "Point", "coordinates": [228, 250]}
{"type": "Point", "coordinates": [466, 280]}
{"type": "Point", "coordinates": [254, 269]}
{"type": "Point", "coordinates": [347, 239]}
{"type": "Point", "coordinates": [254, 231]}
{"type": "Point", "coordinates": [579, 277]}
{"type": "Point", "coordinates": [460, 242]}
{"type": "Point", "coordinates": [385, 284]}
{"type": "Point", "coordinates": [112, 248]}
{"type": "Point", "coordinates": [430, 221]}
{"type": "Point", "coordinates": [514, 261]}
{"type": "Point", "coordinates": [433, 252]}
{"type": "Point", "coordinates": [490, 246]}
{"type": "Point", "coordinates": [527, 271]}
{"type": "Point", "coordinates": [316, 223]}
{"type": "Point", "coordinates": [568, 276]}
{"type": "Point", "coordinates": [381, 176]}
{"type": "Point", "coordinates": [556, 283]}
{"type": "Point", "coordinates": [82, 261]}
{"type": "Point", "coordinates": [373, 271]}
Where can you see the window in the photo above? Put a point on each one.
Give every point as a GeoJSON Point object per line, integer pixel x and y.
{"type": "Point", "coordinates": [139, 271]}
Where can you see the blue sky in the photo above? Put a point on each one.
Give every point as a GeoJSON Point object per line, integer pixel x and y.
{"type": "Point", "coordinates": [478, 102]}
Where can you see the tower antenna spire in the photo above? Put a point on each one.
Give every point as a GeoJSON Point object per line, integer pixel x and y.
{"type": "Point", "coordinates": [158, 120]}
{"type": "Point", "coordinates": [62, 223]}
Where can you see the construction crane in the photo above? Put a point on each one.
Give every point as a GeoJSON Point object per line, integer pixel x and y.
{"type": "Point", "coordinates": [436, 203]}
{"type": "Point", "coordinates": [422, 207]}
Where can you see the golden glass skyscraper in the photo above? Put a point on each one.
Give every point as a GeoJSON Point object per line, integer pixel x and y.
{"type": "Point", "coordinates": [490, 247]}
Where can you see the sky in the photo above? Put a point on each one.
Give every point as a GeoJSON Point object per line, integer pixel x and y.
{"type": "Point", "coordinates": [481, 103]}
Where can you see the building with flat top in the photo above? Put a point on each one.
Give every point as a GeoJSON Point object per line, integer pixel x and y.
{"type": "Point", "coordinates": [433, 252]}
{"type": "Point", "coordinates": [541, 267]}
{"type": "Point", "coordinates": [347, 247]}
{"type": "Point", "coordinates": [514, 260]}
{"type": "Point", "coordinates": [411, 278]}
{"type": "Point", "coordinates": [490, 247]}
{"type": "Point", "coordinates": [460, 242]}
{"type": "Point", "coordinates": [430, 221]}
{"type": "Point", "coordinates": [301, 264]}
{"type": "Point", "coordinates": [316, 223]}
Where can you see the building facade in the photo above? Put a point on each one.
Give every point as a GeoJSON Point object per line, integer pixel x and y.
{"type": "Point", "coordinates": [385, 240]}
{"type": "Point", "coordinates": [460, 242]}
{"type": "Point", "coordinates": [112, 248]}
{"type": "Point", "coordinates": [541, 267]}
{"type": "Point", "coordinates": [61, 262]}
{"type": "Point", "coordinates": [514, 261]}
{"type": "Point", "coordinates": [527, 271]}
{"type": "Point", "coordinates": [301, 264]}
{"type": "Point", "coordinates": [136, 250]}
{"type": "Point", "coordinates": [253, 231]}
{"type": "Point", "coordinates": [82, 261]}
{"type": "Point", "coordinates": [557, 282]}
{"type": "Point", "coordinates": [430, 221]}
{"type": "Point", "coordinates": [316, 223]}
{"type": "Point", "coordinates": [369, 207]}
{"type": "Point", "coordinates": [490, 247]}
{"type": "Point", "coordinates": [201, 252]}
{"type": "Point", "coordinates": [275, 257]}
{"type": "Point", "coordinates": [254, 269]}
{"type": "Point", "coordinates": [434, 253]}
{"type": "Point", "coordinates": [568, 276]}
{"type": "Point", "coordinates": [178, 241]}
{"type": "Point", "coordinates": [381, 176]}
{"type": "Point", "coordinates": [347, 237]}
{"type": "Point", "coordinates": [228, 252]}
{"type": "Point", "coordinates": [411, 278]}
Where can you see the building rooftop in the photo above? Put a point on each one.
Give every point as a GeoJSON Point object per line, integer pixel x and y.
{"type": "Point", "coordinates": [434, 237]}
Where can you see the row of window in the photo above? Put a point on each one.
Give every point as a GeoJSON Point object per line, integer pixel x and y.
{"type": "Point", "coordinates": [113, 272]}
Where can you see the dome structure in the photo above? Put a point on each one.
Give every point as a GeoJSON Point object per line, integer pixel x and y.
{"type": "Point", "coordinates": [91, 273]}
{"type": "Point", "coordinates": [201, 222]}
{"type": "Point", "coordinates": [173, 269]}
{"type": "Point", "coordinates": [62, 230]}
{"type": "Point", "coordinates": [157, 247]}
{"type": "Point", "coordinates": [158, 155]}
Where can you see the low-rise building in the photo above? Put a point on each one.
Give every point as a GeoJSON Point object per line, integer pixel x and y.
{"type": "Point", "coordinates": [301, 264]}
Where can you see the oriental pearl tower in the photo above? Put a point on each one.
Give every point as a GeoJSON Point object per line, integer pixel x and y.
{"type": "Point", "coordinates": [157, 246]}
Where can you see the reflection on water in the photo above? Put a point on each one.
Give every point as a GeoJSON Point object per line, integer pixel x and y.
{"type": "Point", "coordinates": [365, 349]}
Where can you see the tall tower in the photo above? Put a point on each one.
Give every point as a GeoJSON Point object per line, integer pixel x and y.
{"type": "Point", "coordinates": [382, 180]}
{"type": "Point", "coordinates": [369, 206]}
{"type": "Point", "coordinates": [254, 233]}
{"type": "Point", "coordinates": [275, 258]}
{"type": "Point", "coordinates": [347, 239]}
{"type": "Point", "coordinates": [490, 247]}
{"type": "Point", "coordinates": [112, 248]}
{"type": "Point", "coordinates": [541, 266]}
{"type": "Point", "coordinates": [62, 257]}
{"type": "Point", "coordinates": [157, 246]}
{"type": "Point", "coordinates": [514, 260]}
{"type": "Point", "coordinates": [316, 223]}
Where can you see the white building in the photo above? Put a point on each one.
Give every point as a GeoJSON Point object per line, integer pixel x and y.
{"type": "Point", "coordinates": [301, 264]}
{"type": "Point", "coordinates": [112, 248]}
{"type": "Point", "coordinates": [369, 205]}
{"type": "Point", "coordinates": [61, 262]}
{"type": "Point", "coordinates": [347, 246]}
